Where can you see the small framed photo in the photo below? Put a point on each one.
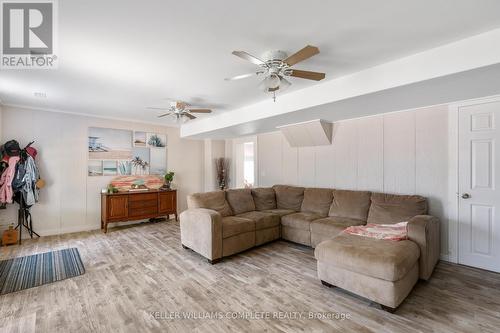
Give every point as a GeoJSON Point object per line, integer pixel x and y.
{"type": "Point", "coordinates": [109, 168]}
{"type": "Point", "coordinates": [94, 168]}
{"type": "Point", "coordinates": [140, 139]}
{"type": "Point", "coordinates": [157, 140]}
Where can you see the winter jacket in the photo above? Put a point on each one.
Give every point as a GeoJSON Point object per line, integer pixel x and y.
{"type": "Point", "coordinates": [6, 180]}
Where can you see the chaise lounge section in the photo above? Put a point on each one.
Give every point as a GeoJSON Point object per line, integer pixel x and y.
{"type": "Point", "coordinates": [222, 223]}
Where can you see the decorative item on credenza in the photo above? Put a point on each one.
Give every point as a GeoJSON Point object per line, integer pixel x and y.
{"type": "Point", "coordinates": [138, 185]}
{"type": "Point", "coordinates": [169, 177]}
{"type": "Point", "coordinates": [222, 172]}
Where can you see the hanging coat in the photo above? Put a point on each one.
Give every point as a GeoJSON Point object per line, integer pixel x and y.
{"type": "Point", "coordinates": [6, 180]}
{"type": "Point", "coordinates": [30, 193]}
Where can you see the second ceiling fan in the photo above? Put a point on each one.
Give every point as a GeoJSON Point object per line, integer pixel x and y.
{"type": "Point", "coordinates": [180, 110]}
{"type": "Point", "coordinates": [275, 66]}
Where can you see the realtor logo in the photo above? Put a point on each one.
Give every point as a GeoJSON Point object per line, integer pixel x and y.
{"type": "Point", "coordinates": [28, 34]}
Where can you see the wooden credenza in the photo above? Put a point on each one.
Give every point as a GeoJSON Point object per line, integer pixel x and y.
{"type": "Point", "coordinates": [132, 206]}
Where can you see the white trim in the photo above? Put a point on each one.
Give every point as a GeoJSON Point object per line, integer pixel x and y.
{"type": "Point", "coordinates": [452, 253]}
{"type": "Point", "coordinates": [448, 258]}
{"type": "Point", "coordinates": [83, 114]}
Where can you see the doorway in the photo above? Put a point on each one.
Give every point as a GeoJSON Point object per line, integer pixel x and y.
{"type": "Point", "coordinates": [245, 162]}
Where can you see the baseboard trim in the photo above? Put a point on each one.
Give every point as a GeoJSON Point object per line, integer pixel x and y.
{"type": "Point", "coordinates": [448, 258]}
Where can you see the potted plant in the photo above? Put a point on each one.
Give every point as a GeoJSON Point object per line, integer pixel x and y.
{"type": "Point", "coordinates": [169, 177]}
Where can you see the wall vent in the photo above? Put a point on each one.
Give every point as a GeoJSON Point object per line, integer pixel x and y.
{"type": "Point", "coordinates": [308, 133]}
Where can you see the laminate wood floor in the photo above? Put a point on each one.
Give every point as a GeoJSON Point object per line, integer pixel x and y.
{"type": "Point", "coordinates": [139, 278]}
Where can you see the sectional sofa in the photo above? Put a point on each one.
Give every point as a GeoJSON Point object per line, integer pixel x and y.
{"type": "Point", "coordinates": [222, 223]}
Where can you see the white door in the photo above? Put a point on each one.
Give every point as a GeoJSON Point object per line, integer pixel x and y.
{"type": "Point", "coordinates": [479, 196]}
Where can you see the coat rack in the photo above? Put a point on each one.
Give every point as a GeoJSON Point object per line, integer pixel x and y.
{"type": "Point", "coordinates": [24, 218]}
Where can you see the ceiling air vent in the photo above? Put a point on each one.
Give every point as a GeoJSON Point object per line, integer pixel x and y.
{"type": "Point", "coordinates": [309, 133]}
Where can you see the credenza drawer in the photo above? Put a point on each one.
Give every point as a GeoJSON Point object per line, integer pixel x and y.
{"type": "Point", "coordinates": [142, 204]}
{"type": "Point", "coordinates": [143, 197]}
{"type": "Point", "coordinates": [143, 211]}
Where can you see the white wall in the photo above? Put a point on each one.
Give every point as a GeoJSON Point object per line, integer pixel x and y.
{"type": "Point", "coordinates": [71, 200]}
{"type": "Point", "coordinates": [404, 152]}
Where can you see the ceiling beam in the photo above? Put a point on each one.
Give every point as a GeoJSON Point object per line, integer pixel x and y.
{"type": "Point", "coordinates": [466, 54]}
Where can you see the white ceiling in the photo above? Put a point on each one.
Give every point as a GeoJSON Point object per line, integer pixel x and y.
{"type": "Point", "coordinates": [117, 57]}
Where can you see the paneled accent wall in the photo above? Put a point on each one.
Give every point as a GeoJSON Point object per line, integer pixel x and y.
{"type": "Point", "coordinates": [71, 201]}
{"type": "Point", "coordinates": [404, 152]}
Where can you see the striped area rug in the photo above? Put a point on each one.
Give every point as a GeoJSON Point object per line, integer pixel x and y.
{"type": "Point", "coordinates": [32, 271]}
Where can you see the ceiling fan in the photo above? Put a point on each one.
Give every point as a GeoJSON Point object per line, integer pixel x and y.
{"type": "Point", "coordinates": [180, 110]}
{"type": "Point", "coordinates": [276, 66]}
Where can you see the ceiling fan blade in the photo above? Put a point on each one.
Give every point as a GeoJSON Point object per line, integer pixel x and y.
{"type": "Point", "coordinates": [154, 108]}
{"type": "Point", "coordinates": [200, 110]}
{"type": "Point", "coordinates": [316, 76]}
{"type": "Point", "coordinates": [239, 77]}
{"type": "Point", "coordinates": [165, 114]}
{"type": "Point", "coordinates": [302, 55]}
{"type": "Point", "coordinates": [248, 57]}
{"type": "Point", "coordinates": [190, 116]}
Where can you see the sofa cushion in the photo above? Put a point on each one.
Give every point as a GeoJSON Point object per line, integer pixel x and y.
{"type": "Point", "coordinates": [317, 200]}
{"type": "Point", "coordinates": [332, 226]}
{"type": "Point", "coordinates": [215, 200]}
{"type": "Point", "coordinates": [393, 208]}
{"type": "Point", "coordinates": [382, 259]}
{"type": "Point", "coordinates": [262, 220]}
{"type": "Point", "coordinates": [300, 220]}
{"type": "Point", "coordinates": [289, 197]}
{"type": "Point", "coordinates": [279, 212]}
{"type": "Point", "coordinates": [233, 225]}
{"type": "Point", "coordinates": [240, 200]}
{"type": "Point", "coordinates": [264, 198]}
{"type": "Point", "coordinates": [350, 204]}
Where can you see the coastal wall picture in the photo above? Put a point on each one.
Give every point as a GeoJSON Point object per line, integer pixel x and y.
{"type": "Point", "coordinates": [140, 139]}
{"type": "Point", "coordinates": [124, 168]}
{"type": "Point", "coordinates": [95, 168]}
{"type": "Point", "coordinates": [115, 152]}
{"type": "Point", "coordinates": [157, 140]}
{"type": "Point", "coordinates": [109, 168]}
{"type": "Point", "coordinates": [109, 144]}
{"type": "Point", "coordinates": [140, 161]}
{"type": "Point", "coordinates": [158, 161]}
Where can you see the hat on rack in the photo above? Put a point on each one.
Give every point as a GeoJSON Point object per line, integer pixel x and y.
{"type": "Point", "coordinates": [40, 183]}
{"type": "Point", "coordinates": [31, 151]}
{"type": "Point", "coordinates": [11, 148]}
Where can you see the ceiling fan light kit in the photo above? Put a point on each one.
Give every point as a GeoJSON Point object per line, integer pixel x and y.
{"type": "Point", "coordinates": [276, 66]}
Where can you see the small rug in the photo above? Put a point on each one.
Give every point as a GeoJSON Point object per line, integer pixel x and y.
{"type": "Point", "coordinates": [32, 271]}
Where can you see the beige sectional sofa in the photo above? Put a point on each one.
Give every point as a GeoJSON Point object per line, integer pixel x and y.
{"type": "Point", "coordinates": [222, 223]}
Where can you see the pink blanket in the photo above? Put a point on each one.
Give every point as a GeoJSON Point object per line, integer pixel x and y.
{"type": "Point", "coordinates": [396, 232]}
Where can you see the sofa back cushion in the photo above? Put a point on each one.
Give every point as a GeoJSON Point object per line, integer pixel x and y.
{"type": "Point", "coordinates": [350, 204]}
{"type": "Point", "coordinates": [289, 197]}
{"type": "Point", "coordinates": [317, 200]}
{"type": "Point", "coordinates": [264, 198]}
{"type": "Point", "coordinates": [210, 200]}
{"type": "Point", "coordinates": [393, 208]}
{"type": "Point", "coordinates": [240, 200]}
